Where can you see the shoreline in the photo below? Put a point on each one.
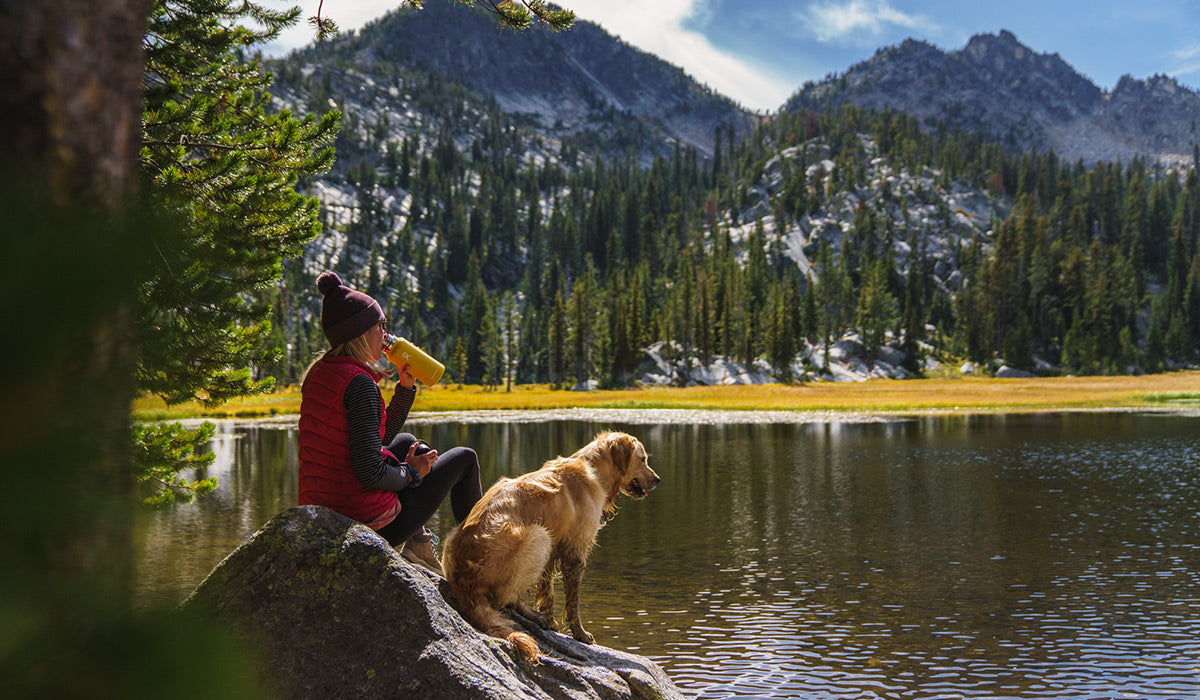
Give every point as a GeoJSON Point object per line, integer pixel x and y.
{"type": "Point", "coordinates": [874, 399]}
{"type": "Point", "coordinates": [606, 418]}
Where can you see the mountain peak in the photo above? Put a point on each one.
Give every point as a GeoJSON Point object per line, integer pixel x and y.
{"type": "Point", "coordinates": [997, 86]}
{"type": "Point", "coordinates": [569, 81]}
{"type": "Point", "coordinates": [1004, 39]}
{"type": "Point", "coordinates": [1002, 46]}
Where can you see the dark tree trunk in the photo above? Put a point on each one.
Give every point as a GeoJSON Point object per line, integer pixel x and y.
{"type": "Point", "coordinates": [70, 120]}
{"type": "Point", "coordinates": [73, 92]}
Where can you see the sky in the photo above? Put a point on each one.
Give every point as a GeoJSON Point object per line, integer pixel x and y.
{"type": "Point", "coordinates": [759, 52]}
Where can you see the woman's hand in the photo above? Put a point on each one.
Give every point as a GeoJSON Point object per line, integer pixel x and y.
{"type": "Point", "coordinates": [423, 463]}
{"type": "Point", "coordinates": [405, 378]}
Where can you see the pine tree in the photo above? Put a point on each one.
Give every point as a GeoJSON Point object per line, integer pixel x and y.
{"type": "Point", "coordinates": [508, 313]}
{"type": "Point", "coordinates": [491, 345]}
{"type": "Point", "coordinates": [876, 306]}
{"type": "Point", "coordinates": [556, 340]}
{"type": "Point", "coordinates": [810, 315]}
{"type": "Point", "coordinates": [829, 291]}
{"type": "Point", "coordinates": [460, 361]}
{"type": "Point", "coordinates": [583, 314]}
{"type": "Point", "coordinates": [473, 320]}
{"type": "Point", "coordinates": [226, 168]}
{"type": "Point", "coordinates": [757, 277]}
{"type": "Point", "coordinates": [229, 169]}
{"type": "Point", "coordinates": [914, 318]}
{"type": "Point", "coordinates": [780, 335]}
{"type": "Point", "coordinates": [623, 347]}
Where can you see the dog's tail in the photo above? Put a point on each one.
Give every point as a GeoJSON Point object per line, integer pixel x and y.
{"type": "Point", "coordinates": [526, 647]}
{"type": "Point", "coordinates": [492, 622]}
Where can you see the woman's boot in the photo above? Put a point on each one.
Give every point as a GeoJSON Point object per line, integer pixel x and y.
{"type": "Point", "coordinates": [419, 550]}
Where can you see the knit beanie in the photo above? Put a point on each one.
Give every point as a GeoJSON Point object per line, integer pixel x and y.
{"type": "Point", "coordinates": [345, 313]}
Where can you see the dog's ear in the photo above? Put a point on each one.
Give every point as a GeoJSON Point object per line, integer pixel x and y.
{"type": "Point", "coordinates": [623, 448]}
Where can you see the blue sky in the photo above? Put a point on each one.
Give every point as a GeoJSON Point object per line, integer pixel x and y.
{"type": "Point", "coordinates": [760, 51]}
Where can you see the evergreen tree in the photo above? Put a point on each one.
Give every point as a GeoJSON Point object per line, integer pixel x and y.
{"type": "Point", "coordinates": [78, 243]}
{"type": "Point", "coordinates": [557, 339]}
{"type": "Point", "coordinates": [780, 335]}
{"type": "Point", "coordinates": [914, 318]}
{"type": "Point", "coordinates": [226, 168]}
{"type": "Point", "coordinates": [810, 315]}
{"type": "Point", "coordinates": [623, 343]}
{"type": "Point", "coordinates": [229, 168]}
{"type": "Point", "coordinates": [476, 322]}
{"type": "Point", "coordinates": [830, 292]}
{"type": "Point", "coordinates": [757, 278]}
{"type": "Point", "coordinates": [876, 304]}
{"type": "Point", "coordinates": [460, 361]}
{"type": "Point", "coordinates": [491, 345]}
{"type": "Point", "coordinates": [585, 325]}
{"type": "Point", "coordinates": [508, 312]}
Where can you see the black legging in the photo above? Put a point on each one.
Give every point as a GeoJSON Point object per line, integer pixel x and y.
{"type": "Point", "coordinates": [455, 472]}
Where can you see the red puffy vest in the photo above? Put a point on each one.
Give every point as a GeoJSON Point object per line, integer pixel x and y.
{"type": "Point", "coordinates": [326, 473]}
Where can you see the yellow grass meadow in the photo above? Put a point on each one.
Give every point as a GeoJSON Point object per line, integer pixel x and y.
{"type": "Point", "coordinates": [966, 395]}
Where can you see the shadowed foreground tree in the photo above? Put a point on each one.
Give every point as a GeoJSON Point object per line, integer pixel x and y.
{"type": "Point", "coordinates": [69, 126]}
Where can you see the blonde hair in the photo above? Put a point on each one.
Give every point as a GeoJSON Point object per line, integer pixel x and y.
{"type": "Point", "coordinates": [358, 348]}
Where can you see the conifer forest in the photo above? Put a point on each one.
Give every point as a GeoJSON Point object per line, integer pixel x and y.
{"type": "Point", "coordinates": [563, 268]}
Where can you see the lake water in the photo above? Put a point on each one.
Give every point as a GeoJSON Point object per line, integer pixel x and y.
{"type": "Point", "coordinates": [1022, 556]}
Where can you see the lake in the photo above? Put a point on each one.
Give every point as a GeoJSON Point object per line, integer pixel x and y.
{"type": "Point", "coordinates": [789, 555]}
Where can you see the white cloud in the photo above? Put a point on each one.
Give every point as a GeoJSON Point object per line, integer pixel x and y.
{"type": "Point", "coordinates": [658, 28]}
{"type": "Point", "coordinates": [655, 26]}
{"type": "Point", "coordinates": [1186, 61]}
{"type": "Point", "coordinates": [859, 21]}
{"type": "Point", "coordinates": [1188, 53]}
{"type": "Point", "coordinates": [347, 14]}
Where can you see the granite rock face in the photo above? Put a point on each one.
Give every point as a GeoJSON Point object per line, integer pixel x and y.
{"type": "Point", "coordinates": [334, 611]}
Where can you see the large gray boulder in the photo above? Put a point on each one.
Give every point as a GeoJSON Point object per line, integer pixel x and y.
{"type": "Point", "coordinates": [335, 612]}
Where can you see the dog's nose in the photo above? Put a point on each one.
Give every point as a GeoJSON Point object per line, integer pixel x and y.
{"type": "Point", "coordinates": [657, 479]}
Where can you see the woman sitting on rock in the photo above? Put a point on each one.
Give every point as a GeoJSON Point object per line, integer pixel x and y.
{"type": "Point", "coordinates": [351, 446]}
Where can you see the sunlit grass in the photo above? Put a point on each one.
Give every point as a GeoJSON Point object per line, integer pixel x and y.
{"type": "Point", "coordinates": [882, 395]}
{"type": "Point", "coordinates": [283, 402]}
{"type": "Point", "coordinates": [1175, 398]}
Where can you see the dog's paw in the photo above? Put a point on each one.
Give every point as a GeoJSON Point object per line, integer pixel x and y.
{"type": "Point", "coordinates": [582, 635]}
{"type": "Point", "coordinates": [535, 616]}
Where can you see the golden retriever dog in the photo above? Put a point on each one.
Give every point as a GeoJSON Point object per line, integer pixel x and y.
{"type": "Point", "coordinates": [524, 529]}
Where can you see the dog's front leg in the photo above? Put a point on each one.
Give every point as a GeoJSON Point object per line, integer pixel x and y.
{"type": "Point", "coordinates": [572, 581]}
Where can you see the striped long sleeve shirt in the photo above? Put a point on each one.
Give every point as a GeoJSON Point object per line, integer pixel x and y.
{"type": "Point", "coordinates": [364, 406]}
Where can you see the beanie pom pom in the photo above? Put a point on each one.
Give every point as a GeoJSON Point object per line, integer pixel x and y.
{"type": "Point", "coordinates": [327, 282]}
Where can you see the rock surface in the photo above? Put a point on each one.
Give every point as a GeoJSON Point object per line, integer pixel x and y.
{"type": "Point", "coordinates": [334, 611]}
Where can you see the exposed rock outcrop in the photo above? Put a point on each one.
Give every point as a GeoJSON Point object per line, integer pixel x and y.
{"type": "Point", "coordinates": [334, 611]}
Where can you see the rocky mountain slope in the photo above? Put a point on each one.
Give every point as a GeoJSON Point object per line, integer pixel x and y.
{"type": "Point", "coordinates": [567, 83]}
{"type": "Point", "coordinates": [997, 86]}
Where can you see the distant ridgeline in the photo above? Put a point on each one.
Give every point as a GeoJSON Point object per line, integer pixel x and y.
{"type": "Point", "coordinates": [542, 208]}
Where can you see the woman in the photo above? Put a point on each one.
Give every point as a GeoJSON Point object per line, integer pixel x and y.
{"type": "Point", "coordinates": [353, 457]}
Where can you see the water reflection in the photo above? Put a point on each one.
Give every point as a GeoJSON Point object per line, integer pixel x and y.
{"type": "Point", "coordinates": [984, 556]}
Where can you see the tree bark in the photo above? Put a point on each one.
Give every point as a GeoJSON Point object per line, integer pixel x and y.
{"type": "Point", "coordinates": [73, 100]}
{"type": "Point", "coordinates": [70, 124]}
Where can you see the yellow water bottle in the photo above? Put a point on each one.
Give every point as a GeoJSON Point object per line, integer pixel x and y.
{"type": "Point", "coordinates": [401, 352]}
